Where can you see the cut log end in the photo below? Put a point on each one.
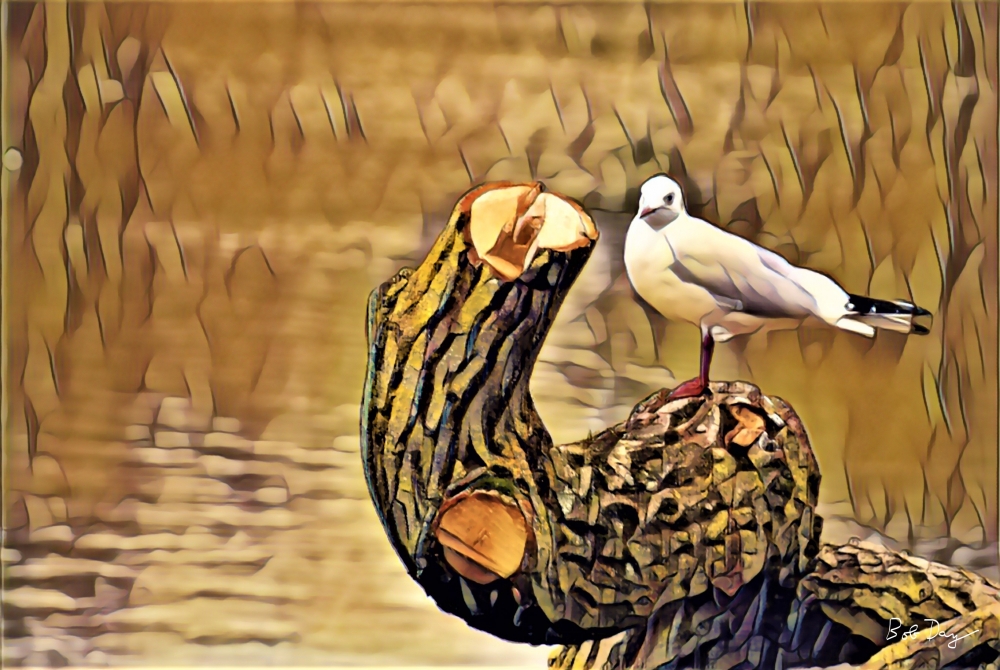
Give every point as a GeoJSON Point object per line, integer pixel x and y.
{"type": "Point", "coordinates": [510, 224]}
{"type": "Point", "coordinates": [484, 537]}
{"type": "Point", "coordinates": [750, 425]}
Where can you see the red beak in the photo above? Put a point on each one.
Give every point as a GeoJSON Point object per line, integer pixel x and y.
{"type": "Point", "coordinates": [647, 210]}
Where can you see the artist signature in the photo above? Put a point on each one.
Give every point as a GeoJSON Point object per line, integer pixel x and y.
{"type": "Point", "coordinates": [914, 628]}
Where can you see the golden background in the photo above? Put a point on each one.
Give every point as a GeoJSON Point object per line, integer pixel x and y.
{"type": "Point", "coordinates": [200, 197]}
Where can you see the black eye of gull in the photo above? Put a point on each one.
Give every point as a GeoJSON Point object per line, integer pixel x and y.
{"type": "Point", "coordinates": [670, 199]}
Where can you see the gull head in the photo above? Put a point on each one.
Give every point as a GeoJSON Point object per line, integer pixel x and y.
{"type": "Point", "coordinates": [660, 200]}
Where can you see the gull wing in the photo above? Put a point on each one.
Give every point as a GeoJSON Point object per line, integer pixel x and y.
{"type": "Point", "coordinates": [744, 277]}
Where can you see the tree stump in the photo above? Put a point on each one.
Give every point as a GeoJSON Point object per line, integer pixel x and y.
{"type": "Point", "coordinates": [686, 536]}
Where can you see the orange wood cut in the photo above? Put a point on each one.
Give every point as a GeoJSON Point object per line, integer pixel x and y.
{"type": "Point", "coordinates": [465, 204]}
{"type": "Point", "coordinates": [750, 426]}
{"type": "Point", "coordinates": [484, 537]}
{"type": "Point", "coordinates": [510, 223]}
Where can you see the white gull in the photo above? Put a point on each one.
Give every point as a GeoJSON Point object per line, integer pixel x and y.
{"type": "Point", "coordinates": [690, 270]}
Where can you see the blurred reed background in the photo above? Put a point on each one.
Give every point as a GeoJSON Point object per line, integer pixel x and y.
{"type": "Point", "coordinates": [200, 197]}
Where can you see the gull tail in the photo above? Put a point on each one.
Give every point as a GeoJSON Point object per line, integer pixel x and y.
{"type": "Point", "coordinates": [866, 314]}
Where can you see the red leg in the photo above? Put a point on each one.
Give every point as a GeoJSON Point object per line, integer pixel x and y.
{"type": "Point", "coordinates": [695, 387]}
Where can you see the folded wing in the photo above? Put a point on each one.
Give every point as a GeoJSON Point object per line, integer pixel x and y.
{"type": "Point", "coordinates": [744, 277]}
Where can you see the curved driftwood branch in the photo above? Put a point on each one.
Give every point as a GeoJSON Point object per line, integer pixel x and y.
{"type": "Point", "coordinates": [455, 453]}
{"type": "Point", "coordinates": [685, 536]}
{"type": "Point", "coordinates": [853, 607]}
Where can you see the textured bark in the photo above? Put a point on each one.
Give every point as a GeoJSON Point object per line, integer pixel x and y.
{"type": "Point", "coordinates": [684, 501]}
{"type": "Point", "coordinates": [447, 413]}
{"type": "Point", "coordinates": [853, 606]}
{"type": "Point", "coordinates": [686, 534]}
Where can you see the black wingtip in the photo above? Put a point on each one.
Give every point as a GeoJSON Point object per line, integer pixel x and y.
{"type": "Point", "coordinates": [865, 305]}
{"type": "Point", "coordinates": [920, 330]}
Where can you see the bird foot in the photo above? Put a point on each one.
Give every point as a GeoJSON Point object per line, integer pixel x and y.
{"type": "Point", "coordinates": [689, 389]}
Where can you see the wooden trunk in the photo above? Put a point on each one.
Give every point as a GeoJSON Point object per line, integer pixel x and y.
{"type": "Point", "coordinates": [685, 536]}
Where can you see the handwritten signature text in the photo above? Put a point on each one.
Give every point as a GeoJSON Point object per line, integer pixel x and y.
{"type": "Point", "coordinates": [896, 624]}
